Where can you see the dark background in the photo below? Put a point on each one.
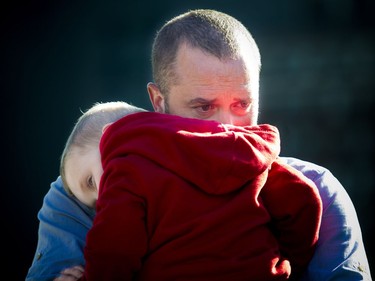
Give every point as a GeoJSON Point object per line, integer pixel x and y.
{"type": "Point", "coordinates": [59, 57]}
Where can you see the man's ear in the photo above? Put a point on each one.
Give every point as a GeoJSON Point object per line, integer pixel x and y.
{"type": "Point", "coordinates": [156, 98]}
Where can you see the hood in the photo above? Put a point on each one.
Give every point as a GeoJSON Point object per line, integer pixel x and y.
{"type": "Point", "coordinates": [216, 158]}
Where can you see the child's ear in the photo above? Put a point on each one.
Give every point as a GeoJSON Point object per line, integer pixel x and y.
{"type": "Point", "coordinates": [105, 127]}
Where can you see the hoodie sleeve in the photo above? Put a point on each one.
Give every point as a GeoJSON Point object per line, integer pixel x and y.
{"type": "Point", "coordinates": [295, 207]}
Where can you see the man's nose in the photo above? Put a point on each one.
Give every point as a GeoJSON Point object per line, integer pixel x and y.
{"type": "Point", "coordinates": [226, 117]}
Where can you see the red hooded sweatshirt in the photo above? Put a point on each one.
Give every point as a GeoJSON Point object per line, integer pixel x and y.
{"type": "Point", "coordinates": [188, 199]}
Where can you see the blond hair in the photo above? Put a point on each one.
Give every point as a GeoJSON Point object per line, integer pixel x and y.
{"type": "Point", "coordinates": [87, 131]}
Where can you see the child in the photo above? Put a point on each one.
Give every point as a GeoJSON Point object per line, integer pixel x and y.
{"type": "Point", "coordinates": [187, 198]}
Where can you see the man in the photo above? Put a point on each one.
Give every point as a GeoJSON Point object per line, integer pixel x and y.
{"type": "Point", "coordinates": [206, 65]}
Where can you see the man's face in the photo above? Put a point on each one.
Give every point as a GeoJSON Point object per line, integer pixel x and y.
{"type": "Point", "coordinates": [211, 89]}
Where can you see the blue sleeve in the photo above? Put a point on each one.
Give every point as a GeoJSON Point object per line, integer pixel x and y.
{"type": "Point", "coordinates": [340, 254]}
{"type": "Point", "coordinates": [63, 225]}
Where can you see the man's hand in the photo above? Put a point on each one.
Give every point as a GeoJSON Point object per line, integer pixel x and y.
{"type": "Point", "coordinates": [70, 274]}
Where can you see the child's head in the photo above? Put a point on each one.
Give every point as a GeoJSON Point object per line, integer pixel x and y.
{"type": "Point", "coordinates": [80, 166]}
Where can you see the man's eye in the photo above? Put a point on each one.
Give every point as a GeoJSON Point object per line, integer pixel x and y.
{"type": "Point", "coordinates": [244, 104]}
{"type": "Point", "coordinates": [205, 107]}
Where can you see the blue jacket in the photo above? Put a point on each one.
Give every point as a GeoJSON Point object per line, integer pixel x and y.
{"type": "Point", "coordinates": [64, 223]}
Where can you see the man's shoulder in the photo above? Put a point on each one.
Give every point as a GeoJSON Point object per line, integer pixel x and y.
{"type": "Point", "coordinates": [57, 201]}
{"type": "Point", "coordinates": [330, 189]}
{"type": "Point", "coordinates": [57, 196]}
{"type": "Point", "coordinates": [309, 169]}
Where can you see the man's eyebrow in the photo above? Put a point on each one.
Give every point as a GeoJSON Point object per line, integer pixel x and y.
{"type": "Point", "coordinates": [201, 101]}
